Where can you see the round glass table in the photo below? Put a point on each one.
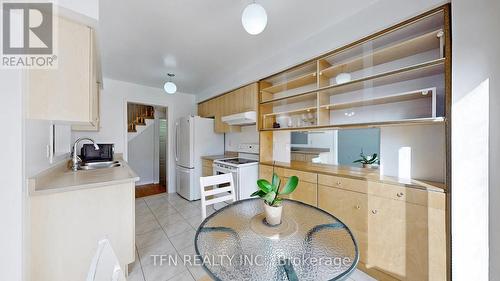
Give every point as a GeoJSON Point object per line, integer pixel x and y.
{"type": "Point", "coordinates": [235, 243]}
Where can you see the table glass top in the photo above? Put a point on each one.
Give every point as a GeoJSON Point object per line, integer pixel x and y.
{"type": "Point", "coordinates": [310, 244]}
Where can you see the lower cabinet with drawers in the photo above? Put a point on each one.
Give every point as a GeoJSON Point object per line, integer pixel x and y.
{"type": "Point", "coordinates": [307, 189]}
{"type": "Point", "coordinates": [400, 231]}
{"type": "Point", "coordinates": [207, 169]}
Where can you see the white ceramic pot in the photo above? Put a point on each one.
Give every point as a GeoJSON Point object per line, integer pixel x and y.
{"type": "Point", "coordinates": [273, 214]}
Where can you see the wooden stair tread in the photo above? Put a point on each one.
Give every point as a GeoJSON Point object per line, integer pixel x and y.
{"type": "Point", "coordinates": [137, 115]}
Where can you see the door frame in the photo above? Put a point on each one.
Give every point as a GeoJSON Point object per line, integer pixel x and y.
{"type": "Point", "coordinates": [169, 117]}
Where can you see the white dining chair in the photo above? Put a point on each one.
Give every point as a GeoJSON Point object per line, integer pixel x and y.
{"type": "Point", "coordinates": [215, 181]}
{"type": "Point", "coordinates": [105, 265]}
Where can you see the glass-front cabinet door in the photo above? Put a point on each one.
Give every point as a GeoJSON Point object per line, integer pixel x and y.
{"type": "Point", "coordinates": [396, 76]}
{"type": "Point", "coordinates": [393, 77]}
{"type": "Point", "coordinates": [289, 99]}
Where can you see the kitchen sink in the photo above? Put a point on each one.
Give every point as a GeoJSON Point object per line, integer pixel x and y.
{"type": "Point", "coordinates": [98, 165]}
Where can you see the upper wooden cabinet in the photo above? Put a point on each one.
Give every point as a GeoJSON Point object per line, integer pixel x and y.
{"type": "Point", "coordinates": [69, 93]}
{"type": "Point", "coordinates": [240, 100]}
{"type": "Point", "coordinates": [95, 107]}
{"type": "Point", "coordinates": [397, 76]}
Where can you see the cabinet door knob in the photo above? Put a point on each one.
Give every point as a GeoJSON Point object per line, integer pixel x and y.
{"type": "Point", "coordinates": [374, 212]}
{"type": "Point", "coordinates": [400, 194]}
{"type": "Point", "coordinates": [357, 207]}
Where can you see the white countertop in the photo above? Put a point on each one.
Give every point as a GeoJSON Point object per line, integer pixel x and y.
{"type": "Point", "coordinates": [62, 179]}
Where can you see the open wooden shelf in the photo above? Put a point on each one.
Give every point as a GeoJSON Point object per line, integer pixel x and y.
{"type": "Point", "coordinates": [419, 94]}
{"type": "Point", "coordinates": [292, 99]}
{"type": "Point", "coordinates": [401, 122]}
{"type": "Point", "coordinates": [300, 81]}
{"type": "Point", "coordinates": [420, 44]}
{"type": "Point", "coordinates": [403, 74]}
{"type": "Point", "coordinates": [292, 112]}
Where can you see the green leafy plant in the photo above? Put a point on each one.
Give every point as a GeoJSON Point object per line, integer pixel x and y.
{"type": "Point", "coordinates": [270, 192]}
{"type": "Point", "coordinates": [367, 159]}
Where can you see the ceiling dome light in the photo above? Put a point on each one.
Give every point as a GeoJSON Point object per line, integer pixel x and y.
{"type": "Point", "coordinates": [170, 86]}
{"type": "Point", "coordinates": [254, 18]}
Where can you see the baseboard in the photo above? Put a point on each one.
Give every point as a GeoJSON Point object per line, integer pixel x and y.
{"type": "Point", "coordinates": [375, 273]}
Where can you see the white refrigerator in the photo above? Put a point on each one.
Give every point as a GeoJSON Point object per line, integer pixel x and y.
{"type": "Point", "coordinates": [194, 138]}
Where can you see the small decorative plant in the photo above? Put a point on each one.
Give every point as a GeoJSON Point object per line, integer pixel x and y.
{"type": "Point", "coordinates": [270, 193]}
{"type": "Point", "coordinates": [368, 161]}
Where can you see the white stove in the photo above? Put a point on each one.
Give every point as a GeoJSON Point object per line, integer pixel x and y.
{"type": "Point", "coordinates": [245, 171]}
{"type": "Point", "coordinates": [236, 162]}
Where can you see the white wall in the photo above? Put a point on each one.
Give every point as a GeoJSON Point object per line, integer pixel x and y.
{"type": "Point", "coordinates": [248, 134]}
{"type": "Point", "coordinates": [114, 98]}
{"type": "Point", "coordinates": [12, 192]}
{"type": "Point", "coordinates": [475, 168]}
{"type": "Point", "coordinates": [88, 8]}
{"type": "Point", "coordinates": [37, 135]}
{"type": "Point", "coordinates": [141, 154]}
{"type": "Point", "coordinates": [160, 113]}
{"type": "Point", "coordinates": [281, 146]}
{"type": "Point", "coordinates": [409, 152]}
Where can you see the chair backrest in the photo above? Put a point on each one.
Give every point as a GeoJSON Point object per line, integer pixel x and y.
{"type": "Point", "coordinates": [214, 181]}
{"type": "Point", "coordinates": [105, 265]}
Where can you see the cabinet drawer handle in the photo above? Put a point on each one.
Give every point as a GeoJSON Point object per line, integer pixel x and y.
{"type": "Point", "coordinates": [374, 212]}
{"type": "Point", "coordinates": [357, 207]}
{"type": "Point", "coordinates": [339, 183]}
{"type": "Point", "coordinates": [400, 194]}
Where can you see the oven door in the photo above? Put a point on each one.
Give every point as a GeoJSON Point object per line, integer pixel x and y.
{"type": "Point", "coordinates": [218, 170]}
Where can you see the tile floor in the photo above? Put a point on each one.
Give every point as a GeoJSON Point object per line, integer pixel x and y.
{"type": "Point", "coordinates": [166, 225]}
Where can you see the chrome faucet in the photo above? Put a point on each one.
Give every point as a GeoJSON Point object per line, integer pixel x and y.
{"type": "Point", "coordinates": [75, 160]}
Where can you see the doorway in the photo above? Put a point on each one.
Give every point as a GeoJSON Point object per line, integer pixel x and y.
{"type": "Point", "coordinates": [147, 130]}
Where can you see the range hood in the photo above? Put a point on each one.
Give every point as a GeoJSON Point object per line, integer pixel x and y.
{"type": "Point", "coordinates": [244, 118]}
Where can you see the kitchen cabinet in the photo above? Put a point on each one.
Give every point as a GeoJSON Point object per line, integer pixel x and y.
{"type": "Point", "coordinates": [404, 68]}
{"type": "Point", "coordinates": [400, 231]}
{"type": "Point", "coordinates": [220, 110]}
{"type": "Point", "coordinates": [406, 240]}
{"type": "Point", "coordinates": [301, 156]}
{"type": "Point", "coordinates": [203, 109]}
{"type": "Point", "coordinates": [351, 208]}
{"type": "Point", "coordinates": [399, 238]}
{"type": "Point", "coordinates": [207, 168]}
{"type": "Point", "coordinates": [96, 106]}
{"type": "Point", "coordinates": [266, 172]}
{"type": "Point", "coordinates": [248, 97]}
{"type": "Point", "coordinates": [237, 101]}
{"type": "Point", "coordinates": [306, 190]}
{"type": "Point", "coordinates": [66, 226]}
{"type": "Point", "coordinates": [70, 92]}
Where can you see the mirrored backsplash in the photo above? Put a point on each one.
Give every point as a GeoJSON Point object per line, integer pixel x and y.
{"type": "Point", "coordinates": [336, 147]}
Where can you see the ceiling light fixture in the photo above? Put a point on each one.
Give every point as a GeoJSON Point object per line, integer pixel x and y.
{"type": "Point", "coordinates": [254, 18]}
{"type": "Point", "coordinates": [170, 86]}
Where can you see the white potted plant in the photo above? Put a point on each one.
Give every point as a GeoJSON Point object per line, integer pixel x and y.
{"type": "Point", "coordinates": [270, 193]}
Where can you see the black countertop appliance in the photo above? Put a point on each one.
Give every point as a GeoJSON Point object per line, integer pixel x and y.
{"type": "Point", "coordinates": [90, 154]}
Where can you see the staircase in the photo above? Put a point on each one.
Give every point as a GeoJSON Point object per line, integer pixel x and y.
{"type": "Point", "coordinates": [139, 117]}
